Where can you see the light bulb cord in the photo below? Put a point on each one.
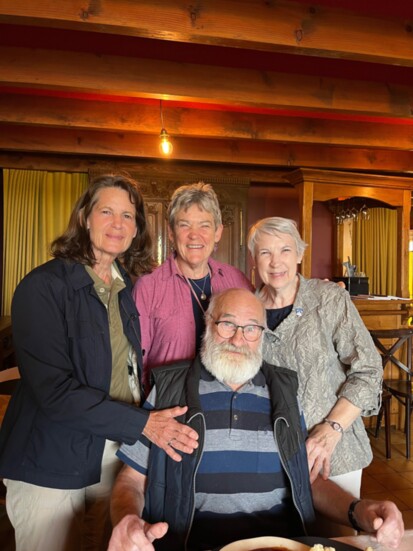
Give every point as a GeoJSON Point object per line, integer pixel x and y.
{"type": "Point", "coordinates": [161, 113]}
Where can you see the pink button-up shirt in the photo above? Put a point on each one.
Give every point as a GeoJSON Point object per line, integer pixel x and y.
{"type": "Point", "coordinates": [164, 302]}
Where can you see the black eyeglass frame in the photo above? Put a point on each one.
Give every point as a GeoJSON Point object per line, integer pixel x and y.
{"type": "Point", "coordinates": [242, 327]}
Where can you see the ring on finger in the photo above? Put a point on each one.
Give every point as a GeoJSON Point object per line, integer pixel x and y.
{"type": "Point", "coordinates": [170, 441]}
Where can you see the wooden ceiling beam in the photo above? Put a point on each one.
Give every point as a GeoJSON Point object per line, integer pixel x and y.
{"type": "Point", "coordinates": [242, 152]}
{"type": "Point", "coordinates": [145, 78]}
{"type": "Point", "coordinates": [282, 26]}
{"type": "Point", "coordinates": [148, 168]}
{"type": "Point", "coordinates": [182, 122]}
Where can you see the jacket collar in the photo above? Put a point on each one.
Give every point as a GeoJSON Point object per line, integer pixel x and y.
{"type": "Point", "coordinates": [305, 301]}
{"type": "Point", "coordinates": [306, 298]}
{"type": "Point", "coordinates": [79, 277]}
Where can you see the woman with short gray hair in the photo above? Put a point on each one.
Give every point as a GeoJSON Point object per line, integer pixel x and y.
{"type": "Point", "coordinates": [172, 300]}
{"type": "Point", "coordinates": [315, 329]}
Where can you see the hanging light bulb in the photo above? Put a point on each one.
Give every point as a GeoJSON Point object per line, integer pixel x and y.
{"type": "Point", "coordinates": [165, 146]}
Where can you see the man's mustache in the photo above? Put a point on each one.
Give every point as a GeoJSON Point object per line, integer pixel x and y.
{"type": "Point", "coordinates": [228, 347]}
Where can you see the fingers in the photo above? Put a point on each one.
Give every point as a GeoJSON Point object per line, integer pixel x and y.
{"type": "Point", "coordinates": [156, 531]}
{"type": "Point", "coordinates": [382, 518]}
{"type": "Point", "coordinates": [318, 460]}
{"type": "Point", "coordinates": [390, 525]}
{"type": "Point", "coordinates": [319, 466]}
{"type": "Point", "coordinates": [172, 453]}
{"type": "Point", "coordinates": [377, 522]}
{"type": "Point", "coordinates": [182, 440]}
{"type": "Point", "coordinates": [163, 430]}
{"type": "Point", "coordinates": [133, 534]}
{"type": "Point", "coordinates": [320, 445]}
{"type": "Point", "coordinates": [326, 467]}
{"type": "Point", "coordinates": [184, 429]}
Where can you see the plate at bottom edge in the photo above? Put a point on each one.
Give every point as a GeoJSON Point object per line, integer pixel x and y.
{"type": "Point", "coordinates": [265, 542]}
{"type": "Point", "coordinates": [327, 542]}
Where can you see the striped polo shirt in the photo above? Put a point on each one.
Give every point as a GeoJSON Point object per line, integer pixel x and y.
{"type": "Point", "coordinates": [241, 489]}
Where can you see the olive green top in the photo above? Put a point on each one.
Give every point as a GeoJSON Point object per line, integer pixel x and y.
{"type": "Point", "coordinates": [108, 294]}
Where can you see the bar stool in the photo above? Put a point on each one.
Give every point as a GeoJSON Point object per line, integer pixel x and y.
{"type": "Point", "coordinates": [401, 388]}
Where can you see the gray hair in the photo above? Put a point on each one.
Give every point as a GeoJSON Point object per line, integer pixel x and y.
{"type": "Point", "coordinates": [275, 225]}
{"type": "Point", "coordinates": [200, 194]}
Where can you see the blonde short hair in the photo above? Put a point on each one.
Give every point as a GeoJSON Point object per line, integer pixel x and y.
{"type": "Point", "coordinates": [275, 225]}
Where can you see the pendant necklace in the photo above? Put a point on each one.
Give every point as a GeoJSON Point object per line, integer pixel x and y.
{"type": "Point", "coordinates": [192, 284]}
{"type": "Point", "coordinates": [203, 295]}
{"type": "Point", "coordinates": [201, 298]}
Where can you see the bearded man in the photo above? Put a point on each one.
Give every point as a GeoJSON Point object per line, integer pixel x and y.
{"type": "Point", "coordinates": [249, 476]}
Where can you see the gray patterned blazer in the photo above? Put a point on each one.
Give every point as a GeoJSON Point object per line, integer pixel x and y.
{"type": "Point", "coordinates": [326, 342]}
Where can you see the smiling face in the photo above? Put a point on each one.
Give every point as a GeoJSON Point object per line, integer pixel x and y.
{"type": "Point", "coordinates": [194, 235]}
{"type": "Point", "coordinates": [276, 260]}
{"type": "Point", "coordinates": [234, 360]}
{"type": "Point", "coordinates": [111, 224]}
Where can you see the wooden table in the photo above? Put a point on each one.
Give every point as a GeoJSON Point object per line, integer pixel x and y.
{"type": "Point", "coordinates": [361, 542]}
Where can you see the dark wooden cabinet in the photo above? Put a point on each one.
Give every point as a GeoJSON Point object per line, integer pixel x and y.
{"type": "Point", "coordinates": [7, 356]}
{"type": "Point", "coordinates": [232, 198]}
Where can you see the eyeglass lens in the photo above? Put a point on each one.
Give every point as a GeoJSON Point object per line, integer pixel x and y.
{"type": "Point", "coordinates": [227, 329]}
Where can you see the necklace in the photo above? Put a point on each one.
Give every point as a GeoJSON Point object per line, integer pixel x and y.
{"type": "Point", "coordinates": [203, 295]}
{"type": "Point", "coordinates": [192, 284]}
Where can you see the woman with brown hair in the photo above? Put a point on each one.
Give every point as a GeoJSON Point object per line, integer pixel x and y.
{"type": "Point", "coordinates": [77, 339]}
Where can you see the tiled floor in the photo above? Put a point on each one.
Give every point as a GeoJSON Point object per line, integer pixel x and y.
{"type": "Point", "coordinates": [391, 478]}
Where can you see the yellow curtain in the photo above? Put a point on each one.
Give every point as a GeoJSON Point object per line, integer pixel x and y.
{"type": "Point", "coordinates": [37, 206]}
{"type": "Point", "coordinates": [375, 250]}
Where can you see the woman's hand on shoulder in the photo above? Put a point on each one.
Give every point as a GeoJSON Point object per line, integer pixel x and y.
{"type": "Point", "coordinates": [339, 283]}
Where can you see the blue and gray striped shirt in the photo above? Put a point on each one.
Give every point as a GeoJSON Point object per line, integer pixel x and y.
{"type": "Point", "coordinates": [241, 488]}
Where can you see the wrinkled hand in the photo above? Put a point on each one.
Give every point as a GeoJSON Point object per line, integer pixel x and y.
{"type": "Point", "coordinates": [163, 430]}
{"type": "Point", "coordinates": [383, 519]}
{"type": "Point", "coordinates": [134, 534]}
{"type": "Point", "coordinates": [320, 444]}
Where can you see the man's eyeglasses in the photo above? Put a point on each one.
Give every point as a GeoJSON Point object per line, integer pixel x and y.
{"type": "Point", "coordinates": [227, 329]}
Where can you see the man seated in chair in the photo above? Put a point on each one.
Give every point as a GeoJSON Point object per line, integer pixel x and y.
{"type": "Point", "coordinates": [249, 477]}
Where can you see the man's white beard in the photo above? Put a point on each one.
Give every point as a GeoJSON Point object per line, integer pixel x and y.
{"type": "Point", "coordinates": [228, 367]}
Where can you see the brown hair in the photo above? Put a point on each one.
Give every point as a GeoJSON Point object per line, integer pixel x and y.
{"type": "Point", "coordinates": [75, 244]}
